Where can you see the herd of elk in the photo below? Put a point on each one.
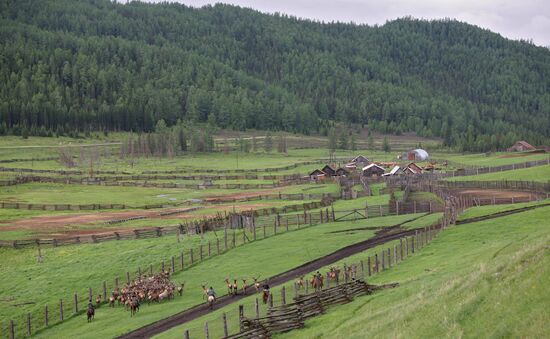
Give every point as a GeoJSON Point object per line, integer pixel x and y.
{"type": "Point", "coordinates": [155, 288]}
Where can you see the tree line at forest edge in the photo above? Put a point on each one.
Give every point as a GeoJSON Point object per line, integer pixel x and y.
{"type": "Point", "coordinates": [69, 67]}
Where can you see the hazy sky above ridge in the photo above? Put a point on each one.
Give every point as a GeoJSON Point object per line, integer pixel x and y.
{"type": "Point", "coordinates": [514, 19]}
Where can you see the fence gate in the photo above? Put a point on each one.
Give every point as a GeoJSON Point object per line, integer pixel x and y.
{"type": "Point", "coordinates": [352, 215]}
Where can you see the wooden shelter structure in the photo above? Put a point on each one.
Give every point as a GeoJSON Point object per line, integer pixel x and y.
{"type": "Point", "coordinates": [521, 146]}
{"type": "Point", "coordinates": [372, 170]}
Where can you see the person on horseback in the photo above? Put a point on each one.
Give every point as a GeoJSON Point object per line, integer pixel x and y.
{"type": "Point", "coordinates": [90, 312]}
{"type": "Point", "coordinates": [90, 305]}
{"type": "Point", "coordinates": [211, 296]}
{"type": "Point", "coordinates": [211, 292]}
{"type": "Point", "coordinates": [265, 293]}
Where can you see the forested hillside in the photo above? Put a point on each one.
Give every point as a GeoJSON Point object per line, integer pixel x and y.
{"type": "Point", "coordinates": [80, 65]}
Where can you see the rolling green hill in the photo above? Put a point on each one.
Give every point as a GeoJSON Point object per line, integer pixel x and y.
{"type": "Point", "coordinates": [69, 65]}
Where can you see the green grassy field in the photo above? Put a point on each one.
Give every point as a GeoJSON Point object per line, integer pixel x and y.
{"type": "Point", "coordinates": [282, 252]}
{"type": "Point", "coordinates": [492, 159]}
{"type": "Point", "coordinates": [537, 173]}
{"type": "Point", "coordinates": [485, 279]}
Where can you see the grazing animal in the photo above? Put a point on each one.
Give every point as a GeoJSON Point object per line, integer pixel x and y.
{"type": "Point", "coordinates": [265, 296]}
{"type": "Point", "coordinates": [229, 286]}
{"type": "Point", "coordinates": [180, 289]}
{"type": "Point", "coordinates": [98, 300]}
{"type": "Point", "coordinates": [90, 312]}
{"type": "Point", "coordinates": [112, 301]}
{"type": "Point", "coordinates": [245, 286]}
{"type": "Point", "coordinates": [300, 282]}
{"type": "Point", "coordinates": [317, 281]}
{"type": "Point", "coordinates": [256, 284]}
{"type": "Point", "coordinates": [134, 307]}
{"type": "Point", "coordinates": [235, 287]}
{"type": "Point", "coordinates": [166, 294]}
{"type": "Point", "coordinates": [205, 292]}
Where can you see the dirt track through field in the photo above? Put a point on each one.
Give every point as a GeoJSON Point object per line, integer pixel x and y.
{"type": "Point", "coordinates": [500, 214]}
{"type": "Point", "coordinates": [203, 309]}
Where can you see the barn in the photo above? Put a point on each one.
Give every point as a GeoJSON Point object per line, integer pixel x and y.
{"type": "Point", "coordinates": [373, 170]}
{"type": "Point", "coordinates": [329, 171]}
{"type": "Point", "coordinates": [317, 174]}
{"type": "Point", "coordinates": [412, 168]}
{"type": "Point", "coordinates": [521, 146]}
{"type": "Point", "coordinates": [360, 161]}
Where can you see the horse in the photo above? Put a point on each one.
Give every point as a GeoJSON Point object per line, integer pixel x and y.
{"type": "Point", "coordinates": [98, 300]}
{"type": "Point", "coordinates": [265, 296]}
{"type": "Point", "coordinates": [112, 301]}
{"type": "Point", "coordinates": [211, 300]}
{"type": "Point", "coordinates": [334, 273]}
{"type": "Point", "coordinates": [90, 312]}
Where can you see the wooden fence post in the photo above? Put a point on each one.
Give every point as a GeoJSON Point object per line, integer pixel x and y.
{"type": "Point", "coordinates": [61, 309]}
{"type": "Point", "coordinates": [12, 330]}
{"type": "Point", "coordinates": [270, 300]}
{"type": "Point", "coordinates": [283, 295]}
{"type": "Point", "coordinates": [162, 265]}
{"type": "Point", "coordinates": [401, 249]}
{"type": "Point", "coordinates": [104, 291]}
{"type": "Point", "coordinates": [241, 316]}
{"type": "Point", "coordinates": [362, 270]}
{"type": "Point", "coordinates": [275, 225]}
{"type": "Point", "coordinates": [173, 264]}
{"type": "Point", "coordinates": [90, 294]}
{"type": "Point", "coordinates": [307, 286]}
{"type": "Point", "coordinates": [128, 276]}
{"type": "Point", "coordinates": [263, 226]}
{"type": "Point", "coordinates": [395, 254]}
{"type": "Point", "coordinates": [46, 319]}
{"type": "Point", "coordinates": [150, 270]}
{"type": "Point", "coordinates": [224, 320]}
{"type": "Point", "coordinates": [369, 265]}
{"type": "Point", "coordinates": [225, 237]}
{"type": "Point", "coordinates": [191, 255]}
{"type": "Point", "coordinates": [389, 258]}
{"type": "Point", "coordinates": [206, 334]}
{"type": "Point", "coordinates": [75, 298]}
{"type": "Point", "coordinates": [186, 334]}
{"type": "Point", "coordinates": [181, 260]}
{"type": "Point", "coordinates": [234, 239]}
{"type": "Point", "coordinates": [376, 262]}
{"type": "Point", "coordinates": [257, 307]}
{"type": "Point", "coordinates": [200, 252]}
{"type": "Point", "coordinates": [412, 242]}
{"type": "Point", "coordinates": [383, 254]}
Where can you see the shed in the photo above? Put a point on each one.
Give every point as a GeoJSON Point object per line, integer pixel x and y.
{"type": "Point", "coordinates": [521, 146]}
{"type": "Point", "coordinates": [373, 170]}
{"type": "Point", "coordinates": [412, 168]}
{"type": "Point", "coordinates": [360, 160]}
{"type": "Point", "coordinates": [416, 154]}
{"type": "Point", "coordinates": [329, 171]}
{"type": "Point", "coordinates": [316, 174]}
{"type": "Point", "coordinates": [394, 171]}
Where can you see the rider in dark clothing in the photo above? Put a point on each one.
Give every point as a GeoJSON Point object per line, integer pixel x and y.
{"type": "Point", "coordinates": [211, 292]}
{"type": "Point", "coordinates": [265, 286]}
{"type": "Point", "coordinates": [90, 305]}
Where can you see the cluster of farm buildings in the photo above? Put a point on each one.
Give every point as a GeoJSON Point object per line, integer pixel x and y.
{"type": "Point", "coordinates": [369, 168]}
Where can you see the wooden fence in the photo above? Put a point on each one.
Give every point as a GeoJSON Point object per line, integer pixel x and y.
{"type": "Point", "coordinates": [260, 319]}
{"type": "Point", "coordinates": [75, 305]}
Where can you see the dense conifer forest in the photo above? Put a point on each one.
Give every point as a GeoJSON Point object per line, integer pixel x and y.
{"type": "Point", "coordinates": [70, 66]}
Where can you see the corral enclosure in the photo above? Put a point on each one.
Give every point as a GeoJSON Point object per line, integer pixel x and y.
{"type": "Point", "coordinates": [93, 226]}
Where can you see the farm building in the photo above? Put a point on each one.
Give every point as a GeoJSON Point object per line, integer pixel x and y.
{"type": "Point", "coordinates": [341, 172]}
{"type": "Point", "coordinates": [351, 166]}
{"type": "Point", "coordinates": [360, 161]}
{"type": "Point", "coordinates": [317, 174]}
{"type": "Point", "coordinates": [416, 154]}
{"type": "Point", "coordinates": [329, 171]}
{"type": "Point", "coordinates": [544, 148]}
{"type": "Point", "coordinates": [373, 170]}
{"type": "Point", "coordinates": [396, 170]}
{"type": "Point", "coordinates": [521, 146]}
{"type": "Point", "coordinates": [412, 168]}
